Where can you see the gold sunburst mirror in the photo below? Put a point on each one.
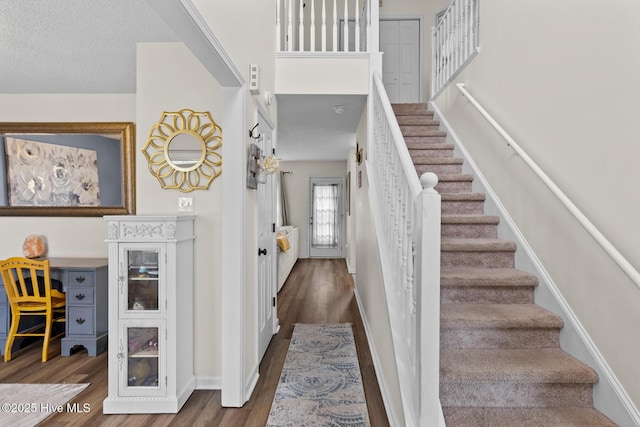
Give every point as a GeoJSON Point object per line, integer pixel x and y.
{"type": "Point", "coordinates": [182, 150]}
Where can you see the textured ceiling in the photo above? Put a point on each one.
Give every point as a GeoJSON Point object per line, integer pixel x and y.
{"type": "Point", "coordinates": [309, 128]}
{"type": "Point", "coordinates": [89, 46]}
{"type": "Point", "coordinates": [74, 46]}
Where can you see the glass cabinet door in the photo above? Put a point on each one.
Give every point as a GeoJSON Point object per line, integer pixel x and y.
{"type": "Point", "coordinates": [142, 361]}
{"type": "Point", "coordinates": [141, 354]}
{"type": "Point", "coordinates": [143, 291]}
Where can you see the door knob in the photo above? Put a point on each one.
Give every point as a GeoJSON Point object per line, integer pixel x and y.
{"type": "Point", "coordinates": [262, 251]}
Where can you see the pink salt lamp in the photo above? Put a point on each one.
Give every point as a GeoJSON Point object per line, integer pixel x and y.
{"type": "Point", "coordinates": [34, 246]}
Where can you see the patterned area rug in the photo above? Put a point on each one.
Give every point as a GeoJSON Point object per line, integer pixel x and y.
{"type": "Point", "coordinates": [28, 404]}
{"type": "Point", "coordinates": [320, 384]}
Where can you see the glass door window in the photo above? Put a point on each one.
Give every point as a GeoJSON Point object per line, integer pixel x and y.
{"type": "Point", "coordinates": [326, 217]}
{"type": "Point", "coordinates": [142, 357]}
{"type": "Point", "coordinates": [143, 280]}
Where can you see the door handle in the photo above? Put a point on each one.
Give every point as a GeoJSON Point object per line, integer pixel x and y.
{"type": "Point", "coordinates": [262, 251]}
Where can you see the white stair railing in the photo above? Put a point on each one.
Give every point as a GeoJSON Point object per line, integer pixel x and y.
{"type": "Point", "coordinates": [406, 213]}
{"type": "Point", "coordinates": [343, 29]}
{"type": "Point", "coordinates": [597, 235]}
{"type": "Point", "coordinates": [454, 41]}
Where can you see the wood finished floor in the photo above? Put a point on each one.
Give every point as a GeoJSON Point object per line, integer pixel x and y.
{"type": "Point", "coordinates": [317, 291]}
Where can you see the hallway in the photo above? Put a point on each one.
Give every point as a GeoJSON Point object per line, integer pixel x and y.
{"type": "Point", "coordinates": [317, 291]}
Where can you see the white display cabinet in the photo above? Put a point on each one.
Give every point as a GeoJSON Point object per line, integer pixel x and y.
{"type": "Point", "coordinates": [150, 313]}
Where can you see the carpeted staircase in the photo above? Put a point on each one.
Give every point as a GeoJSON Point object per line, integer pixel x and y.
{"type": "Point", "coordinates": [500, 359]}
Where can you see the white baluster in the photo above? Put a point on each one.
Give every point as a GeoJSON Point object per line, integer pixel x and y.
{"type": "Point", "coordinates": [324, 26]}
{"type": "Point", "coordinates": [312, 28]}
{"type": "Point", "coordinates": [278, 35]}
{"type": "Point", "coordinates": [290, 28]}
{"type": "Point", "coordinates": [467, 26]}
{"type": "Point", "coordinates": [301, 28]}
{"type": "Point", "coordinates": [357, 27]}
{"type": "Point", "coordinates": [345, 27]}
{"type": "Point", "coordinates": [335, 26]}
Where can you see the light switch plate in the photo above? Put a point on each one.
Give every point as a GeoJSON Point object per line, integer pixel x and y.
{"type": "Point", "coordinates": [185, 204]}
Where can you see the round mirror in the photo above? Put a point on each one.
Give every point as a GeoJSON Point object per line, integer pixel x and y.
{"type": "Point", "coordinates": [185, 151]}
{"type": "Point", "coordinates": [182, 150]}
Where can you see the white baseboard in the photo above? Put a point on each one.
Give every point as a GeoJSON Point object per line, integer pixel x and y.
{"type": "Point", "coordinates": [622, 410]}
{"type": "Point", "coordinates": [393, 420]}
{"type": "Point", "coordinates": [208, 383]}
{"type": "Point", "coordinates": [350, 268]}
{"type": "Point", "coordinates": [251, 383]}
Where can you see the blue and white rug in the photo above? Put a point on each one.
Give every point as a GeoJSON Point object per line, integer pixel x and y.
{"type": "Point", "coordinates": [320, 384]}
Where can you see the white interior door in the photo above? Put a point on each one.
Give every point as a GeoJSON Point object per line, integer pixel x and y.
{"type": "Point", "coordinates": [266, 248]}
{"type": "Point", "coordinates": [400, 42]}
{"type": "Point", "coordinates": [326, 219]}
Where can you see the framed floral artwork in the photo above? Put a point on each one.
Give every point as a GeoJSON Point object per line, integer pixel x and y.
{"type": "Point", "coordinates": [46, 174]}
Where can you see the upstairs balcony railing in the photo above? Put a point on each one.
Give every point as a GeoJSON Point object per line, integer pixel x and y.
{"type": "Point", "coordinates": [455, 41]}
{"type": "Point", "coordinates": [323, 25]}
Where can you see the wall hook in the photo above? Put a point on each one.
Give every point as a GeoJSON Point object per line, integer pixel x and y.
{"type": "Point", "coordinates": [251, 132]}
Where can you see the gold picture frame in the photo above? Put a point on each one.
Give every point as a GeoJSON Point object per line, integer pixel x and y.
{"type": "Point", "coordinates": [117, 171]}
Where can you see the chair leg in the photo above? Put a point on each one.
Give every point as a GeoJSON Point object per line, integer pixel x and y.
{"type": "Point", "coordinates": [13, 330]}
{"type": "Point", "coordinates": [47, 336]}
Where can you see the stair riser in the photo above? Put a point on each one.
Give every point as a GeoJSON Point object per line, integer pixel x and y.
{"type": "Point", "coordinates": [420, 120]}
{"type": "Point", "coordinates": [462, 207]}
{"type": "Point", "coordinates": [454, 187]}
{"type": "Point", "coordinates": [411, 109]}
{"type": "Point", "coordinates": [414, 141]}
{"type": "Point", "coordinates": [408, 131]}
{"type": "Point", "coordinates": [469, 231]}
{"type": "Point", "coordinates": [521, 417]}
{"type": "Point", "coordinates": [439, 169]}
{"type": "Point", "coordinates": [515, 394]}
{"type": "Point", "coordinates": [497, 259]}
{"type": "Point", "coordinates": [445, 153]}
{"type": "Point", "coordinates": [486, 295]}
{"type": "Point", "coordinates": [498, 338]}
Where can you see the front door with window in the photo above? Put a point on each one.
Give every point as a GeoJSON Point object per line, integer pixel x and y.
{"type": "Point", "coordinates": [325, 228]}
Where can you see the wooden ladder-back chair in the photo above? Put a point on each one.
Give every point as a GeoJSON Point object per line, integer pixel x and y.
{"type": "Point", "coordinates": [29, 297]}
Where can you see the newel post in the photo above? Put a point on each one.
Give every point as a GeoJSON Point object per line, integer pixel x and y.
{"type": "Point", "coordinates": [428, 259]}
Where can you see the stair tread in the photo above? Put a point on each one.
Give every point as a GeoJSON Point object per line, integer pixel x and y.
{"type": "Point", "coordinates": [411, 109]}
{"type": "Point", "coordinates": [568, 416]}
{"type": "Point", "coordinates": [424, 160]}
{"type": "Point", "coordinates": [504, 316]}
{"type": "Point", "coordinates": [477, 244]}
{"type": "Point", "coordinates": [455, 177]}
{"type": "Point", "coordinates": [429, 146]}
{"type": "Point", "coordinates": [469, 219]}
{"type": "Point", "coordinates": [419, 120]}
{"type": "Point", "coordinates": [423, 133]}
{"type": "Point", "coordinates": [540, 365]}
{"type": "Point", "coordinates": [454, 197]}
{"type": "Point", "coordinates": [486, 277]}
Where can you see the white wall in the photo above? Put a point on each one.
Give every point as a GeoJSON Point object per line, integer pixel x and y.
{"type": "Point", "coordinates": [184, 83]}
{"type": "Point", "coordinates": [370, 290]}
{"type": "Point", "coordinates": [297, 187]}
{"type": "Point", "coordinates": [345, 75]}
{"type": "Point", "coordinates": [566, 93]}
{"type": "Point", "coordinates": [87, 236]}
{"type": "Point", "coordinates": [246, 29]}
